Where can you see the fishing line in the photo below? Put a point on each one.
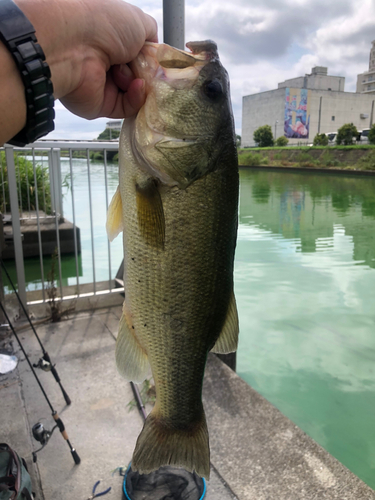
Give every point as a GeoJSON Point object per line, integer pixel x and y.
{"type": "Point", "coordinates": [44, 362]}
{"type": "Point", "coordinates": [55, 416]}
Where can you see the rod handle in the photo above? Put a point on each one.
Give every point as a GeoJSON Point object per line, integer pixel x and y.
{"type": "Point", "coordinates": [75, 456]}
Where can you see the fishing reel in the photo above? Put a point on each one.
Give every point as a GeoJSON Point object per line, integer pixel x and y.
{"type": "Point", "coordinates": [44, 364]}
{"type": "Point", "coordinates": [41, 435]}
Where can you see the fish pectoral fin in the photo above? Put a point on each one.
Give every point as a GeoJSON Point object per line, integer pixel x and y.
{"type": "Point", "coordinates": [228, 338]}
{"type": "Point", "coordinates": [114, 223]}
{"type": "Point", "coordinates": [131, 359]}
{"type": "Point", "coordinates": [150, 214]}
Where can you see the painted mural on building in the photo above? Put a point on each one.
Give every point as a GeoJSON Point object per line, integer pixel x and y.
{"type": "Point", "coordinates": [297, 113]}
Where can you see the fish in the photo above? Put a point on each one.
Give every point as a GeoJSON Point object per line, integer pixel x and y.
{"type": "Point", "coordinates": [177, 206]}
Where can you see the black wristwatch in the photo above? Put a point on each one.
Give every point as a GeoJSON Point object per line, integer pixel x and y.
{"type": "Point", "coordinates": [18, 35]}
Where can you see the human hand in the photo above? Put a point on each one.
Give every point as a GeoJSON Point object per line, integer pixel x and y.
{"type": "Point", "coordinates": [88, 44]}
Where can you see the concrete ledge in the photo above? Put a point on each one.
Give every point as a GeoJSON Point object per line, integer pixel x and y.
{"type": "Point", "coordinates": [261, 454]}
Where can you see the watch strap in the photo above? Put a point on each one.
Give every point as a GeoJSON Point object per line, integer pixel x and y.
{"type": "Point", "coordinates": [18, 35]}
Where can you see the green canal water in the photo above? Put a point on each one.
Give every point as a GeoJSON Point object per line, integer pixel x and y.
{"type": "Point", "coordinates": [305, 288]}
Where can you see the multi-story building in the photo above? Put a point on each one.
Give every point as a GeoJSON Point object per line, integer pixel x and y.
{"type": "Point", "coordinates": [304, 106]}
{"type": "Point", "coordinates": [366, 81]}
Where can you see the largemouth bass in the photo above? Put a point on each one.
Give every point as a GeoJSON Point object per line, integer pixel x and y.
{"type": "Point", "coordinates": [177, 206]}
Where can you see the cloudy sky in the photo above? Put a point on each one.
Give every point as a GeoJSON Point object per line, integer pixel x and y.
{"type": "Point", "coordinates": [263, 43]}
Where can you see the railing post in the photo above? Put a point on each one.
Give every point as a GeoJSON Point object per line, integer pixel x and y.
{"type": "Point", "coordinates": [16, 226]}
{"type": "Point", "coordinates": [55, 181]}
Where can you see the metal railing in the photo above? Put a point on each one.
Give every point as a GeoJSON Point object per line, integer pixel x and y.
{"type": "Point", "coordinates": [43, 203]}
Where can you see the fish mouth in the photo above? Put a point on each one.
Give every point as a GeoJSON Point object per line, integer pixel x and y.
{"type": "Point", "coordinates": [161, 61]}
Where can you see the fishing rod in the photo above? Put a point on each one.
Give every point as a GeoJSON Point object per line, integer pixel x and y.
{"type": "Point", "coordinates": [138, 400]}
{"type": "Point", "coordinates": [44, 362]}
{"type": "Point", "coordinates": [38, 429]}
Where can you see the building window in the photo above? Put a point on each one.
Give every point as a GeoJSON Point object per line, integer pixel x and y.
{"type": "Point", "coordinates": [333, 118]}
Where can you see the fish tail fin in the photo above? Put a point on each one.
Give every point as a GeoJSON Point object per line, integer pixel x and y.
{"type": "Point", "coordinates": [159, 445]}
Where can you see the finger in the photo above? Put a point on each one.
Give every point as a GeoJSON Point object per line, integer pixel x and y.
{"type": "Point", "coordinates": [122, 76]}
{"type": "Point", "coordinates": [151, 29]}
{"type": "Point", "coordinates": [118, 104]}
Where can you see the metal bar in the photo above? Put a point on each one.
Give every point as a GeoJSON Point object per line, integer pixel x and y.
{"type": "Point", "coordinates": [174, 23]}
{"type": "Point", "coordinates": [17, 237]}
{"type": "Point", "coordinates": [106, 205]}
{"type": "Point", "coordinates": [3, 185]}
{"type": "Point", "coordinates": [74, 218]}
{"type": "Point", "coordinates": [27, 186]}
{"type": "Point", "coordinates": [44, 191]}
{"type": "Point", "coordinates": [38, 225]}
{"type": "Point", "coordinates": [80, 145]}
{"type": "Point", "coordinates": [91, 221]}
{"type": "Point", "coordinates": [55, 162]}
{"type": "Point", "coordinates": [19, 185]}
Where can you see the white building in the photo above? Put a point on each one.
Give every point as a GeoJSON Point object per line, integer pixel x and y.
{"type": "Point", "coordinates": [366, 81]}
{"type": "Point", "coordinates": [304, 106]}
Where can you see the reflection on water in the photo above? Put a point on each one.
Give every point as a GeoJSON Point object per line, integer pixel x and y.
{"type": "Point", "coordinates": [305, 287]}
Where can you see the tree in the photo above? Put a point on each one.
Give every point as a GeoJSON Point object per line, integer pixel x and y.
{"type": "Point", "coordinates": [108, 134]}
{"type": "Point", "coordinates": [238, 140]}
{"type": "Point", "coordinates": [320, 140]}
{"type": "Point", "coordinates": [371, 135]}
{"type": "Point", "coordinates": [281, 141]}
{"type": "Point", "coordinates": [346, 134]}
{"type": "Point", "coordinates": [263, 136]}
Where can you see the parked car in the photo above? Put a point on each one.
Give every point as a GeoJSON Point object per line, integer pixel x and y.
{"type": "Point", "coordinates": [331, 138]}
{"type": "Point", "coordinates": [362, 136]}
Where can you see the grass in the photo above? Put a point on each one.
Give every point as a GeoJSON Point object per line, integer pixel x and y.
{"type": "Point", "coordinates": [25, 184]}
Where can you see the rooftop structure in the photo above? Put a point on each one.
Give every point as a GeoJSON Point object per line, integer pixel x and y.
{"type": "Point", "coordinates": [318, 79]}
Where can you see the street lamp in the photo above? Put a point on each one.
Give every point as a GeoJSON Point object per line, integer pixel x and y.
{"type": "Point", "coordinates": [276, 122]}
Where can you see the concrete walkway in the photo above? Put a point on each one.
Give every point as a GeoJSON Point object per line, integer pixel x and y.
{"type": "Point", "coordinates": [256, 452]}
{"type": "Point", "coordinates": [98, 422]}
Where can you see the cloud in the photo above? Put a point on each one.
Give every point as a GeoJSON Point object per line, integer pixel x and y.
{"type": "Point", "coordinates": [264, 43]}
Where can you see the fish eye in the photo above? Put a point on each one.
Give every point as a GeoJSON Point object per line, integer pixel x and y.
{"type": "Point", "coordinates": [213, 89]}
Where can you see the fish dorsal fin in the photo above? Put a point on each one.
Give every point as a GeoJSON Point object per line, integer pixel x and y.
{"type": "Point", "coordinates": [131, 359]}
{"type": "Point", "coordinates": [228, 338]}
{"type": "Point", "coordinates": [114, 223]}
{"type": "Point", "coordinates": [150, 214]}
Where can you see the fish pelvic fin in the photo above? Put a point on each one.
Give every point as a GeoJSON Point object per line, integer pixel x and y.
{"type": "Point", "coordinates": [150, 214]}
{"type": "Point", "coordinates": [228, 338]}
{"type": "Point", "coordinates": [114, 223]}
{"type": "Point", "coordinates": [131, 359]}
{"type": "Point", "coordinates": [159, 444]}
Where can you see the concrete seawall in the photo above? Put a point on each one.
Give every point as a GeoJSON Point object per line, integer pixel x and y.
{"type": "Point", "coordinates": [261, 454]}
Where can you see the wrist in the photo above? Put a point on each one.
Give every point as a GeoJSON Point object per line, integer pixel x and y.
{"type": "Point", "coordinates": [54, 31]}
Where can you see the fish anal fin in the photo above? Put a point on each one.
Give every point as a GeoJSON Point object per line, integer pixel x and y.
{"type": "Point", "coordinates": [150, 214]}
{"type": "Point", "coordinates": [228, 338]}
{"type": "Point", "coordinates": [159, 444]}
{"type": "Point", "coordinates": [131, 359]}
{"type": "Point", "coordinates": [114, 223]}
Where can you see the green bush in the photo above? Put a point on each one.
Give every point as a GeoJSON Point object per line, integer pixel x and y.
{"type": "Point", "coordinates": [281, 141]}
{"type": "Point", "coordinates": [346, 134]}
{"type": "Point", "coordinates": [252, 159]}
{"type": "Point", "coordinates": [263, 136]}
{"type": "Point", "coordinates": [371, 135]}
{"type": "Point", "coordinates": [25, 184]}
{"type": "Point", "coordinates": [320, 140]}
{"type": "Point", "coordinates": [367, 162]}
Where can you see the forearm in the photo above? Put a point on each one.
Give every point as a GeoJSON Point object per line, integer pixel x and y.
{"type": "Point", "coordinates": [12, 99]}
